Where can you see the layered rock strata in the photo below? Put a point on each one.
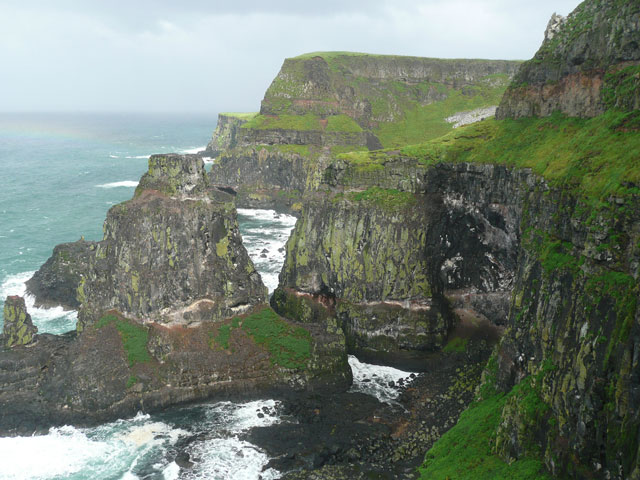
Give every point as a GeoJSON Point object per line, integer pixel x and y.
{"type": "Point", "coordinates": [388, 261]}
{"type": "Point", "coordinates": [587, 63]}
{"type": "Point", "coordinates": [320, 105]}
{"type": "Point", "coordinates": [18, 328]}
{"type": "Point", "coordinates": [171, 310]}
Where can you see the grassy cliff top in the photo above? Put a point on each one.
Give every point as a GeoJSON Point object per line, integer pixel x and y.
{"type": "Point", "coordinates": [328, 56]}
{"type": "Point", "coordinates": [595, 157]}
{"type": "Point", "coordinates": [239, 115]}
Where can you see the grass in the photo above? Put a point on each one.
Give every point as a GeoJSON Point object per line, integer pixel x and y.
{"type": "Point", "coordinates": [134, 337]}
{"type": "Point", "coordinates": [594, 158]}
{"type": "Point", "coordinates": [465, 451]}
{"type": "Point", "coordinates": [306, 122]}
{"type": "Point", "coordinates": [422, 123]}
{"type": "Point", "coordinates": [342, 123]}
{"type": "Point", "coordinates": [387, 198]}
{"type": "Point", "coordinates": [241, 116]}
{"type": "Point", "coordinates": [288, 346]}
{"type": "Point", "coordinates": [457, 344]}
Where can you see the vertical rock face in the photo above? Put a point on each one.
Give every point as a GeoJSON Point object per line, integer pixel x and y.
{"type": "Point", "coordinates": [18, 328]}
{"type": "Point", "coordinates": [172, 254]}
{"type": "Point", "coordinates": [56, 282]}
{"type": "Point", "coordinates": [227, 132]}
{"type": "Point", "coordinates": [571, 349]}
{"type": "Point", "coordinates": [388, 262]}
{"type": "Point", "coordinates": [587, 63]}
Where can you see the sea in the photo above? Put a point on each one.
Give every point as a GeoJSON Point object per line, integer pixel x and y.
{"type": "Point", "coordinates": [60, 173]}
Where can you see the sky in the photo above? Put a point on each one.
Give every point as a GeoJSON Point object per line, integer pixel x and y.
{"type": "Point", "coordinates": [199, 56]}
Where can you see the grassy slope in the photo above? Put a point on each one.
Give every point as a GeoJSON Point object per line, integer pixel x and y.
{"type": "Point", "coordinates": [403, 110]}
{"type": "Point", "coordinates": [595, 157]}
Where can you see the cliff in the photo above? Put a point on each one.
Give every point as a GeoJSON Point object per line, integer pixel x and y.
{"type": "Point", "coordinates": [588, 62]}
{"type": "Point", "coordinates": [532, 223]}
{"type": "Point", "coordinates": [171, 310]}
{"type": "Point", "coordinates": [326, 103]}
{"type": "Point", "coordinates": [225, 136]}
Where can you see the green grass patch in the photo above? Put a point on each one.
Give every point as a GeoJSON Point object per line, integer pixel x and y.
{"type": "Point", "coordinates": [388, 198]}
{"type": "Point", "coordinates": [241, 116]}
{"type": "Point", "coordinates": [457, 344]}
{"type": "Point", "coordinates": [422, 123]}
{"type": "Point", "coordinates": [289, 346]}
{"type": "Point", "coordinates": [465, 451]}
{"type": "Point", "coordinates": [134, 337]}
{"type": "Point", "coordinates": [308, 122]}
{"type": "Point", "coordinates": [132, 380]}
{"type": "Point", "coordinates": [591, 157]}
{"type": "Point", "coordinates": [342, 123]}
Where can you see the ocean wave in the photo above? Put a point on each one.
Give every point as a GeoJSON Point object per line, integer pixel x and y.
{"type": "Point", "coordinates": [193, 150]}
{"type": "Point", "coordinates": [377, 379]}
{"type": "Point", "coordinates": [48, 320]}
{"type": "Point", "coordinates": [114, 156]}
{"type": "Point", "coordinates": [137, 156]}
{"type": "Point", "coordinates": [124, 183]}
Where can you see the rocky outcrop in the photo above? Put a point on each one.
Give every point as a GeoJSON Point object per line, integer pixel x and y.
{"type": "Point", "coordinates": [225, 136]}
{"type": "Point", "coordinates": [570, 351]}
{"type": "Point", "coordinates": [18, 329]}
{"type": "Point", "coordinates": [56, 282]}
{"type": "Point", "coordinates": [587, 63]}
{"type": "Point", "coordinates": [172, 254]}
{"type": "Point", "coordinates": [362, 86]}
{"type": "Point", "coordinates": [171, 310]}
{"type": "Point", "coordinates": [118, 366]}
{"type": "Point", "coordinates": [387, 261]}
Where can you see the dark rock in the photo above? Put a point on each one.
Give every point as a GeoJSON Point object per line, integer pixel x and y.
{"type": "Point", "coordinates": [18, 329]}
{"type": "Point", "coordinates": [56, 282]}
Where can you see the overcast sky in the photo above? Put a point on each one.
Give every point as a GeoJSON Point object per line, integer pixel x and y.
{"type": "Point", "coordinates": [212, 56]}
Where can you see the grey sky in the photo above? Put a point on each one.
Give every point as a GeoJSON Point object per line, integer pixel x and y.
{"type": "Point", "coordinates": [210, 56]}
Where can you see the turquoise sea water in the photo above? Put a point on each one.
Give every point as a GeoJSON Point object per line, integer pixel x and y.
{"type": "Point", "coordinates": [61, 173]}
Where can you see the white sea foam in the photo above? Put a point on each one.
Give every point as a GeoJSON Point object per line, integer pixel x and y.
{"type": "Point", "coordinates": [233, 458]}
{"type": "Point", "coordinates": [208, 160]}
{"type": "Point", "coordinates": [114, 156]}
{"type": "Point", "coordinates": [48, 320]}
{"type": "Point", "coordinates": [194, 150]}
{"type": "Point", "coordinates": [228, 456]}
{"type": "Point", "coordinates": [377, 380]}
{"type": "Point", "coordinates": [265, 232]}
{"type": "Point", "coordinates": [137, 156]}
{"type": "Point", "coordinates": [124, 183]}
{"type": "Point", "coordinates": [112, 450]}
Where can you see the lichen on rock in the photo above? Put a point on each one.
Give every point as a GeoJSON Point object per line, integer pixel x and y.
{"type": "Point", "coordinates": [18, 328]}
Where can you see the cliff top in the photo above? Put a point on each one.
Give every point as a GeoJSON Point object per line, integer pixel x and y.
{"type": "Point", "coordinates": [329, 56]}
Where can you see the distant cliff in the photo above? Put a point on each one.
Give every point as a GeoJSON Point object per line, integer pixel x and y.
{"type": "Point", "coordinates": [326, 103]}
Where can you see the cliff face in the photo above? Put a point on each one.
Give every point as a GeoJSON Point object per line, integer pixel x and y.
{"type": "Point", "coordinates": [321, 105]}
{"type": "Point", "coordinates": [587, 63]}
{"type": "Point", "coordinates": [392, 263]}
{"type": "Point", "coordinates": [172, 254]}
{"type": "Point", "coordinates": [171, 310]}
{"type": "Point", "coordinates": [56, 282]}
{"type": "Point", "coordinates": [225, 136]}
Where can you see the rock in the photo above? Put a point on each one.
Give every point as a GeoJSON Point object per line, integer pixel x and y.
{"type": "Point", "coordinates": [18, 328]}
{"type": "Point", "coordinates": [56, 282]}
{"type": "Point", "coordinates": [322, 104]}
{"type": "Point", "coordinates": [584, 66]}
{"type": "Point", "coordinates": [172, 254]}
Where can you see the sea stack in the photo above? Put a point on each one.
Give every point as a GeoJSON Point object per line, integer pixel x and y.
{"type": "Point", "coordinates": [18, 327]}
